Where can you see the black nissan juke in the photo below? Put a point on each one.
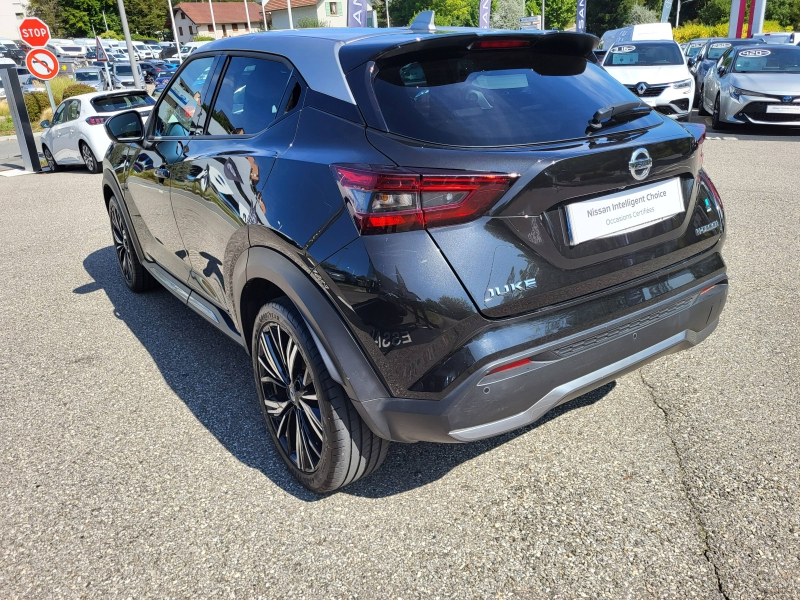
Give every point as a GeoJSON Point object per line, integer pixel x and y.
{"type": "Point", "coordinates": [417, 234]}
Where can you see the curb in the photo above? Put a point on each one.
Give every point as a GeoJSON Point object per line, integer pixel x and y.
{"type": "Point", "coordinates": [8, 138]}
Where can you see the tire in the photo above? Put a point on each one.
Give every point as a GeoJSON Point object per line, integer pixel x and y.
{"type": "Point", "coordinates": [716, 123]}
{"type": "Point", "coordinates": [315, 427]}
{"type": "Point", "coordinates": [51, 162]}
{"type": "Point", "coordinates": [135, 275]}
{"type": "Point", "coordinates": [89, 159]}
{"type": "Point", "coordinates": [701, 109]}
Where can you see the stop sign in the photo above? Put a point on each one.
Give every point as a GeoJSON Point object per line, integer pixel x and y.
{"type": "Point", "coordinates": [34, 32]}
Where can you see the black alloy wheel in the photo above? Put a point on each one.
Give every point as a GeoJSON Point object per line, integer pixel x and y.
{"type": "Point", "coordinates": [290, 397]}
{"type": "Point", "coordinates": [315, 427]}
{"type": "Point", "coordinates": [136, 276]}
{"type": "Point", "coordinates": [88, 159]}
{"type": "Point", "coordinates": [51, 162]}
{"type": "Point", "coordinates": [701, 109]}
{"type": "Point", "coordinates": [716, 122]}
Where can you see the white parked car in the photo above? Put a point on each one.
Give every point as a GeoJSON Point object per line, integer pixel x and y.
{"type": "Point", "coordinates": [66, 50]}
{"type": "Point", "coordinates": [76, 134]}
{"type": "Point", "coordinates": [142, 51]}
{"type": "Point", "coordinates": [654, 71]}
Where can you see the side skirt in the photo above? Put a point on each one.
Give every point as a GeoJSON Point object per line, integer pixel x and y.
{"type": "Point", "coordinates": [203, 308]}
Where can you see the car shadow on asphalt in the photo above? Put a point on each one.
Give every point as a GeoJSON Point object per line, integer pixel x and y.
{"type": "Point", "coordinates": [212, 375]}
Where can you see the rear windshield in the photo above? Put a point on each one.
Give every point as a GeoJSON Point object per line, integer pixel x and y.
{"type": "Point", "coordinates": [493, 97]}
{"type": "Point", "coordinates": [87, 76]}
{"type": "Point", "coordinates": [121, 102]}
{"type": "Point", "coordinates": [71, 48]}
{"type": "Point", "coordinates": [774, 60]}
{"type": "Point", "coordinates": [642, 54]}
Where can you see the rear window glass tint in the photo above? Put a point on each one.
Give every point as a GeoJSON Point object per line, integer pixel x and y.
{"type": "Point", "coordinates": [494, 98]}
{"type": "Point", "coordinates": [114, 103]}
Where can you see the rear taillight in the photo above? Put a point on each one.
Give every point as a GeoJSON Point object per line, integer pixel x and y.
{"type": "Point", "coordinates": [711, 188]}
{"type": "Point", "coordinates": [96, 120]}
{"type": "Point", "coordinates": [388, 200]}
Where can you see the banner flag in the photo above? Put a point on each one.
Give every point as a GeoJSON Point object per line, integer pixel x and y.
{"type": "Point", "coordinates": [356, 13]}
{"type": "Point", "coordinates": [580, 19]}
{"type": "Point", "coordinates": [666, 10]}
{"type": "Point", "coordinates": [485, 14]}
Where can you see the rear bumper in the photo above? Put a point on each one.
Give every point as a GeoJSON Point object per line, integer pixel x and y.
{"type": "Point", "coordinates": [485, 405]}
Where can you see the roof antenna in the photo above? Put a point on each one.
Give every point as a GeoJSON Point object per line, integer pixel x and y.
{"type": "Point", "coordinates": [423, 22]}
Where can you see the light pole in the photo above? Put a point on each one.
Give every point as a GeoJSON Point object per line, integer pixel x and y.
{"type": "Point", "coordinates": [175, 32]}
{"type": "Point", "coordinates": [678, 12]}
{"type": "Point", "coordinates": [213, 22]}
{"type": "Point", "coordinates": [247, 14]}
{"type": "Point", "coordinates": [131, 52]}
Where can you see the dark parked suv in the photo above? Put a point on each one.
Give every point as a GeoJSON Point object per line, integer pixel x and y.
{"type": "Point", "coordinates": [417, 235]}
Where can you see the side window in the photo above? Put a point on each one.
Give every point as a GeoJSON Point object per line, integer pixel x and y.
{"type": "Point", "coordinates": [179, 110]}
{"type": "Point", "coordinates": [60, 113]}
{"type": "Point", "coordinates": [726, 59]}
{"type": "Point", "coordinates": [73, 110]}
{"type": "Point", "coordinates": [249, 96]}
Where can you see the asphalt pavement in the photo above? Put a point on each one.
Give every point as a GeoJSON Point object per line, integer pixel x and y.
{"type": "Point", "coordinates": [134, 461]}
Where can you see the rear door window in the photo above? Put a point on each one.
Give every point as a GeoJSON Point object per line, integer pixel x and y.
{"type": "Point", "coordinates": [249, 96]}
{"type": "Point", "coordinates": [486, 98]}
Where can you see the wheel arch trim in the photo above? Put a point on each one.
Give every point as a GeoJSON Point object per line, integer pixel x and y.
{"type": "Point", "coordinates": [109, 181]}
{"type": "Point", "coordinates": [340, 351]}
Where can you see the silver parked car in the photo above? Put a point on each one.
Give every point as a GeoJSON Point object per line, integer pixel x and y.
{"type": "Point", "coordinates": [754, 84]}
{"type": "Point", "coordinates": [92, 76]}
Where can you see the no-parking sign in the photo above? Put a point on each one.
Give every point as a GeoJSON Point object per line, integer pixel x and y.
{"type": "Point", "coordinates": [42, 63]}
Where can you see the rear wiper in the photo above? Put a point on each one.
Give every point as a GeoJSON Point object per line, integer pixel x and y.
{"type": "Point", "coordinates": [620, 112]}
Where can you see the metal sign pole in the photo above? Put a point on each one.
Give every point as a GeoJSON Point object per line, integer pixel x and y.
{"type": "Point", "coordinates": [19, 116]}
{"type": "Point", "coordinates": [50, 95]}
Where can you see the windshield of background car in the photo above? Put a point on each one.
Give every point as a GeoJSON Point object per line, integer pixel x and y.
{"type": "Point", "coordinates": [121, 102]}
{"type": "Point", "coordinates": [693, 49]}
{"type": "Point", "coordinates": [481, 98]}
{"type": "Point", "coordinates": [124, 70]}
{"type": "Point", "coordinates": [774, 60]}
{"type": "Point", "coordinates": [643, 54]}
{"type": "Point", "coordinates": [87, 76]}
{"type": "Point", "coordinates": [717, 49]}
{"type": "Point", "coordinates": [71, 48]}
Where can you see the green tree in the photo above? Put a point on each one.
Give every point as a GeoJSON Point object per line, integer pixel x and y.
{"type": "Point", "coordinates": [507, 14]}
{"type": "Point", "coordinates": [603, 15]}
{"type": "Point", "coordinates": [641, 14]}
{"type": "Point", "coordinates": [715, 12]}
{"type": "Point", "coordinates": [786, 12]}
{"type": "Point", "coordinates": [558, 14]}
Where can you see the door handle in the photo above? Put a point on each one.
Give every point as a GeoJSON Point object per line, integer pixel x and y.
{"type": "Point", "coordinates": [162, 173]}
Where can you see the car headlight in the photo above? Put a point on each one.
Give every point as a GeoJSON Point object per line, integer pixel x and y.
{"type": "Point", "coordinates": [679, 85]}
{"type": "Point", "coordinates": [737, 93]}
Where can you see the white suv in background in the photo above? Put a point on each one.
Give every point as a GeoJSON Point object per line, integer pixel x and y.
{"type": "Point", "coordinates": [656, 72]}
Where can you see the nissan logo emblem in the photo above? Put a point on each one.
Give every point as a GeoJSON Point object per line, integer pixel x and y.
{"type": "Point", "coordinates": [640, 164]}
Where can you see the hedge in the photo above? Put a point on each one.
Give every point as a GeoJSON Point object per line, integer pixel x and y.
{"type": "Point", "coordinates": [76, 90]}
{"type": "Point", "coordinates": [36, 103]}
{"type": "Point", "coordinates": [695, 30]}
